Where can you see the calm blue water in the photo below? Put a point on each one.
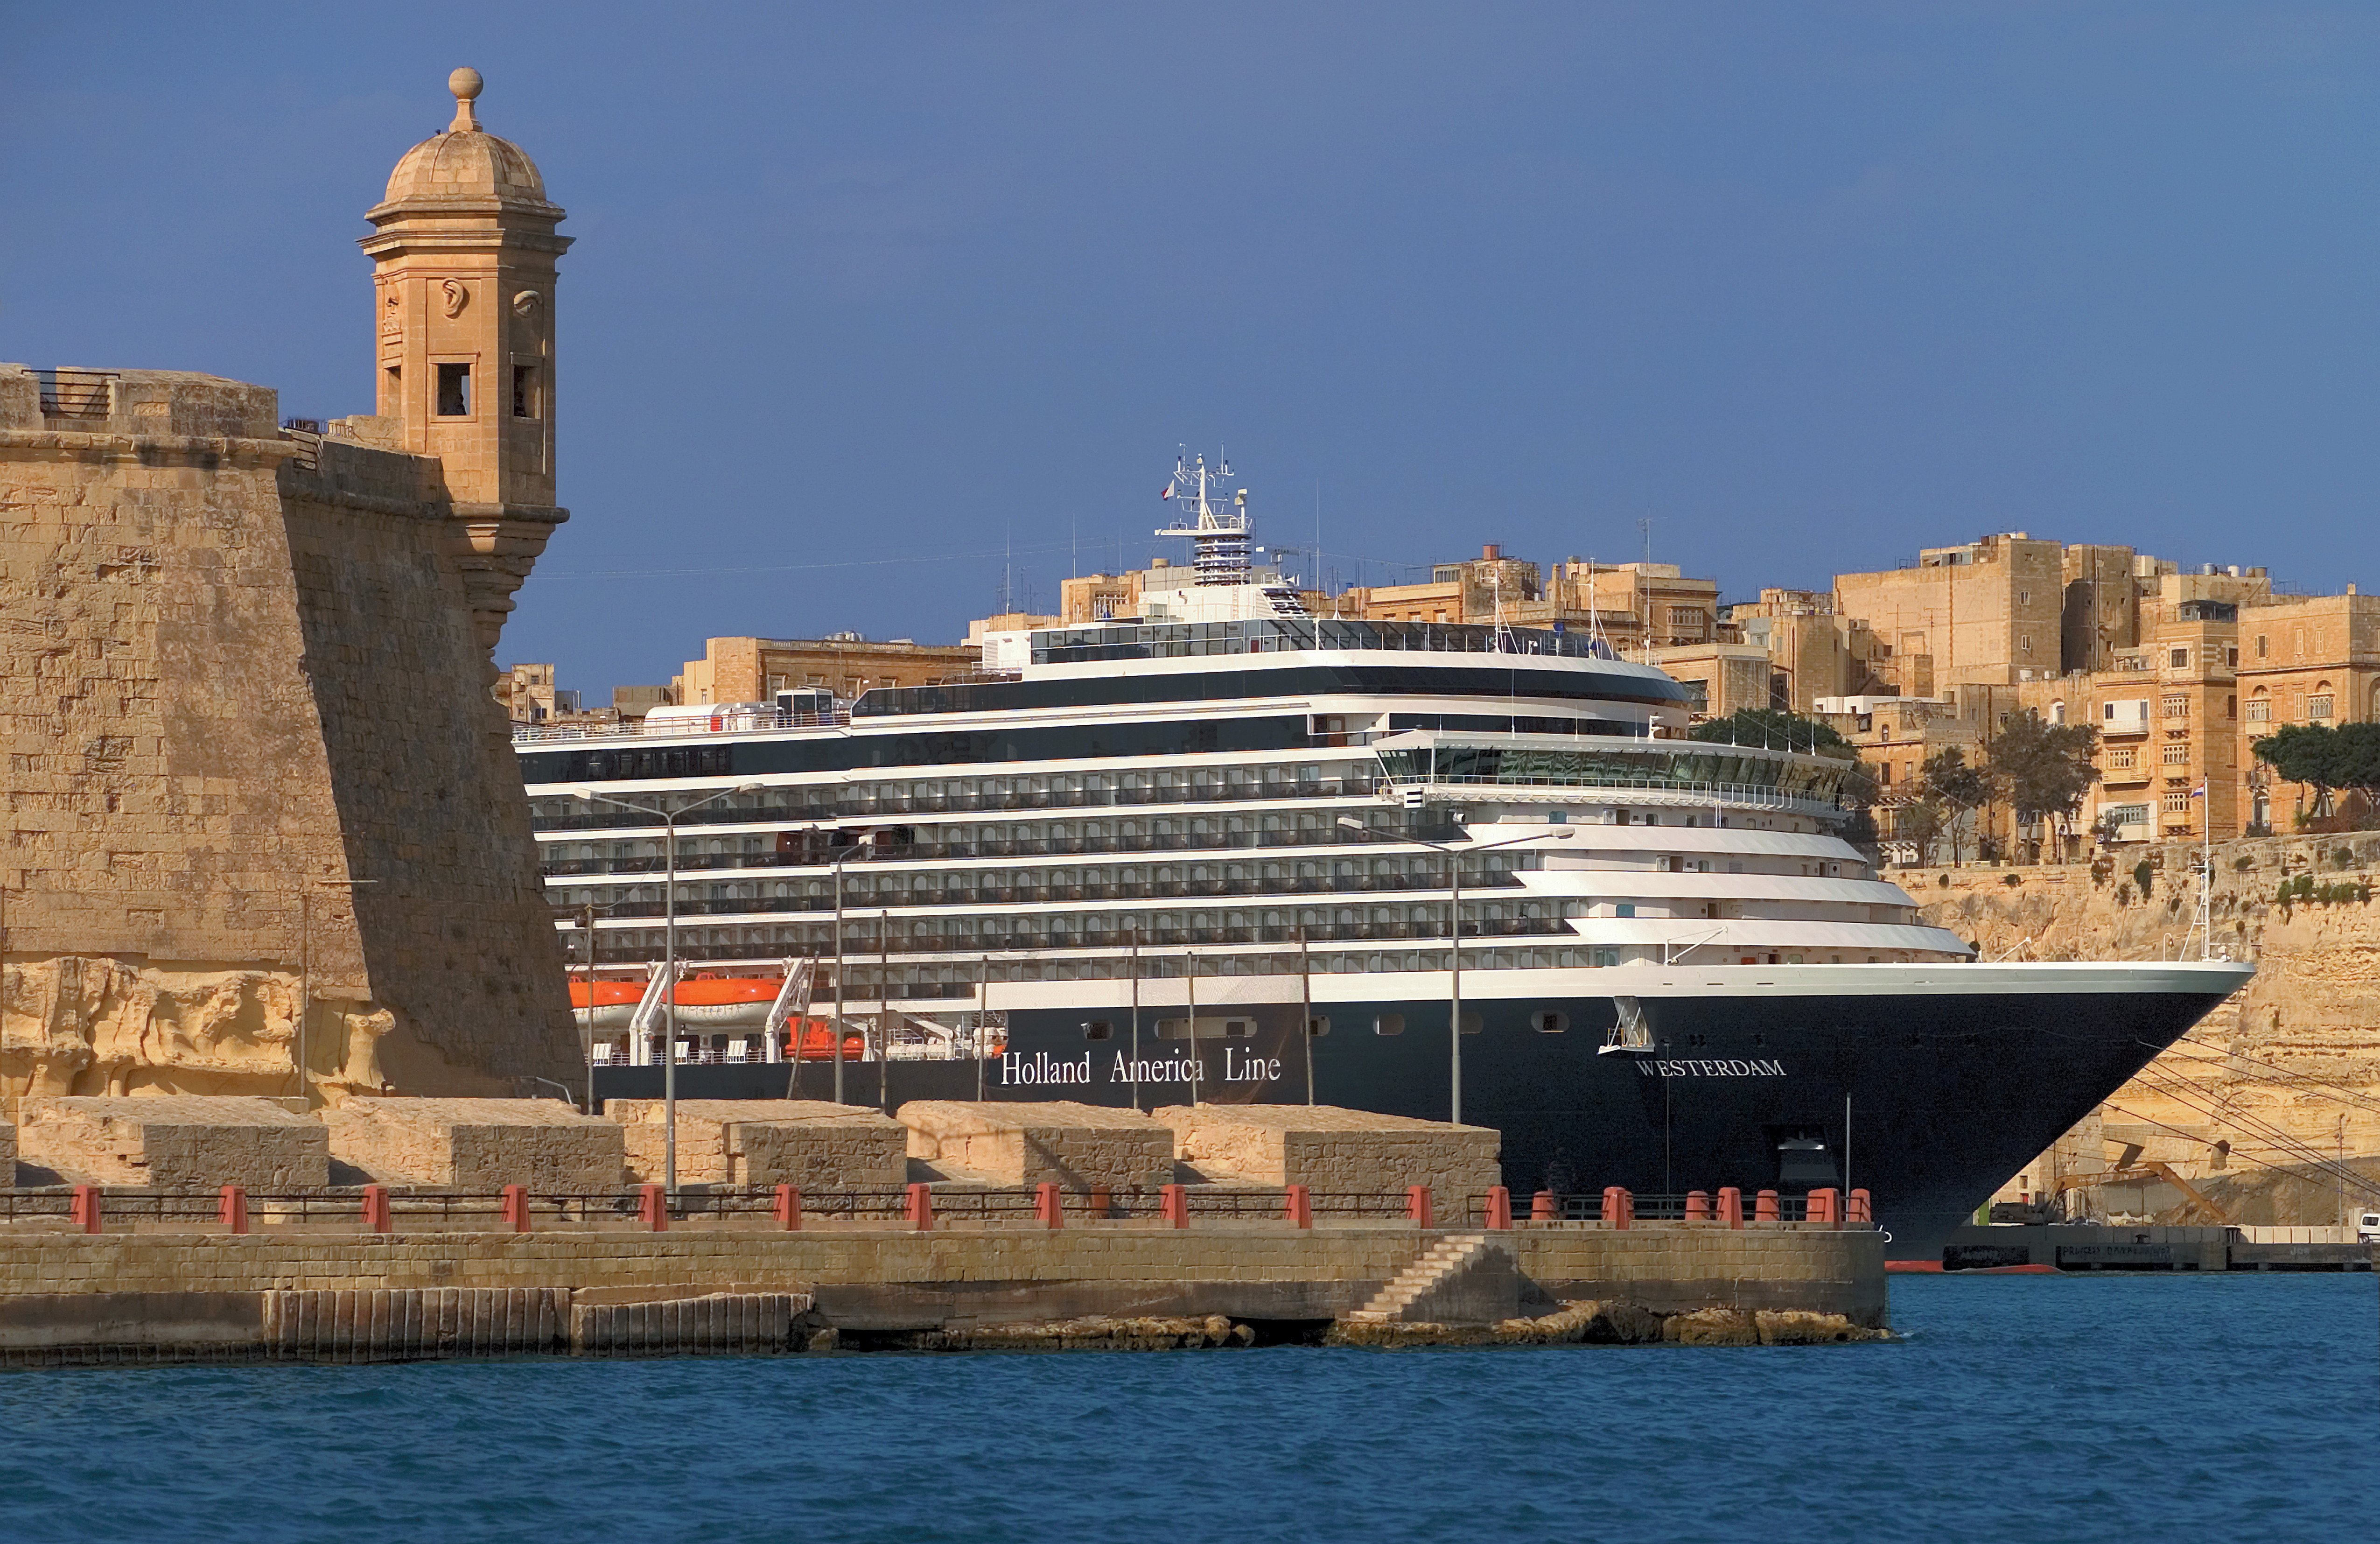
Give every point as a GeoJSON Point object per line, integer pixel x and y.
{"type": "Point", "coordinates": [2019, 1408]}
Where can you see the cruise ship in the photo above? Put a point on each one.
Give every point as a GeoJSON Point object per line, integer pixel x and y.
{"type": "Point", "coordinates": [1227, 851]}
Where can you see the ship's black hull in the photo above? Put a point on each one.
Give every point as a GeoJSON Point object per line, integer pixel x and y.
{"type": "Point", "coordinates": [1934, 1100]}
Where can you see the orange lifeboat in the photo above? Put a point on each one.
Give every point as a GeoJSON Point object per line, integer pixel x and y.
{"type": "Point", "coordinates": [711, 1002]}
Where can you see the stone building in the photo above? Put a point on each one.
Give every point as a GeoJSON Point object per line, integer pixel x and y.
{"type": "Point", "coordinates": [261, 799]}
{"type": "Point", "coordinates": [1982, 611]}
{"type": "Point", "coordinates": [756, 669]}
{"type": "Point", "coordinates": [530, 696]}
{"type": "Point", "coordinates": [2311, 658]}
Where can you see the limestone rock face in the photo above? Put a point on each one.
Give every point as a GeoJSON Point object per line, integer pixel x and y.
{"type": "Point", "coordinates": [816, 1145]}
{"type": "Point", "coordinates": [175, 1142]}
{"type": "Point", "coordinates": [1082, 1146]}
{"type": "Point", "coordinates": [478, 1144]}
{"type": "Point", "coordinates": [2256, 1083]}
{"type": "Point", "coordinates": [1334, 1150]}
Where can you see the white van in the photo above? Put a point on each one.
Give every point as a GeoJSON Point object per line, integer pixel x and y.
{"type": "Point", "coordinates": [2367, 1227]}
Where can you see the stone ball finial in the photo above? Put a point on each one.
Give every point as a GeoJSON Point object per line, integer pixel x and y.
{"type": "Point", "coordinates": [465, 84]}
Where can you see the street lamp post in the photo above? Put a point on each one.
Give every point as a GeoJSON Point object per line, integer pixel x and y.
{"type": "Point", "coordinates": [835, 1030]}
{"type": "Point", "coordinates": [669, 818]}
{"type": "Point", "coordinates": [1454, 856]}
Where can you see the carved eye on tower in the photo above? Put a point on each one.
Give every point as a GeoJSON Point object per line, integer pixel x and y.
{"type": "Point", "coordinates": [457, 296]}
{"type": "Point", "coordinates": [527, 304]}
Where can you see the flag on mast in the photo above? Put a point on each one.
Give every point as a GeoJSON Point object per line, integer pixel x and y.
{"type": "Point", "coordinates": [1168, 493]}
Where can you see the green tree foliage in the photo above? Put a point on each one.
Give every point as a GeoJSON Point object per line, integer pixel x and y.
{"type": "Point", "coordinates": [1959, 788]}
{"type": "Point", "coordinates": [2044, 769]}
{"type": "Point", "coordinates": [2327, 759]}
{"type": "Point", "coordinates": [1921, 822]}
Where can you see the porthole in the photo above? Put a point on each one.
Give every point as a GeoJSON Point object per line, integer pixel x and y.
{"type": "Point", "coordinates": [1098, 1029]}
{"type": "Point", "coordinates": [1317, 1026]}
{"type": "Point", "coordinates": [1550, 1021]}
{"type": "Point", "coordinates": [1473, 1024]}
{"type": "Point", "coordinates": [1389, 1024]}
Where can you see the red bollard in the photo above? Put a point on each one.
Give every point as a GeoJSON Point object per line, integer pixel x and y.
{"type": "Point", "coordinates": [653, 1206]}
{"type": "Point", "coordinates": [1822, 1207]}
{"type": "Point", "coordinates": [235, 1208]}
{"type": "Point", "coordinates": [1544, 1207]}
{"type": "Point", "coordinates": [1862, 1211]}
{"type": "Point", "coordinates": [1102, 1202]}
{"type": "Point", "coordinates": [516, 1208]}
{"type": "Point", "coordinates": [1417, 1204]}
{"type": "Point", "coordinates": [1619, 1207]}
{"type": "Point", "coordinates": [86, 1208]}
{"type": "Point", "coordinates": [921, 1208]}
{"type": "Point", "coordinates": [789, 1208]}
{"type": "Point", "coordinates": [1763, 1207]}
{"type": "Point", "coordinates": [1698, 1206]}
{"type": "Point", "coordinates": [1299, 1206]}
{"type": "Point", "coordinates": [1500, 1208]}
{"type": "Point", "coordinates": [376, 1210]}
{"type": "Point", "coordinates": [1174, 1205]}
{"type": "Point", "coordinates": [1049, 1205]}
{"type": "Point", "coordinates": [1730, 1205]}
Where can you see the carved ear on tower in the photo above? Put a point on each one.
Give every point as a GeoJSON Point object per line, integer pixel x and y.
{"type": "Point", "coordinates": [458, 295]}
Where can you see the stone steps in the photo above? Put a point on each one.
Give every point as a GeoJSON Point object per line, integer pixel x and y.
{"type": "Point", "coordinates": [1437, 1264]}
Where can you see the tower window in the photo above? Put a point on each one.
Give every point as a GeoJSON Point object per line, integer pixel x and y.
{"type": "Point", "coordinates": [525, 404]}
{"type": "Point", "coordinates": [453, 391]}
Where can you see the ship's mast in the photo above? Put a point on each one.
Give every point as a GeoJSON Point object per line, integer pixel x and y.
{"type": "Point", "coordinates": [1216, 526]}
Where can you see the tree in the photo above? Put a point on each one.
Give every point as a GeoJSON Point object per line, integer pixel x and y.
{"type": "Point", "coordinates": [1960, 787]}
{"type": "Point", "coordinates": [1920, 823]}
{"type": "Point", "coordinates": [2044, 769]}
{"type": "Point", "coordinates": [2325, 759]}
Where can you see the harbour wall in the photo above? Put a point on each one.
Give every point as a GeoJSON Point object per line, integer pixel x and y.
{"type": "Point", "coordinates": [2258, 1083]}
{"type": "Point", "coordinates": [215, 1293]}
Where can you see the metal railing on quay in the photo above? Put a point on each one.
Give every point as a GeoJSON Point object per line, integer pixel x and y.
{"type": "Point", "coordinates": [378, 1210]}
{"type": "Point", "coordinates": [1728, 1207]}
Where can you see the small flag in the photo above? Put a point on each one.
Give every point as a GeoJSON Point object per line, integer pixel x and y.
{"type": "Point", "coordinates": [1168, 493]}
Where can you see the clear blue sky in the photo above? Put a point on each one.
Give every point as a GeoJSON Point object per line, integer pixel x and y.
{"type": "Point", "coordinates": [863, 294]}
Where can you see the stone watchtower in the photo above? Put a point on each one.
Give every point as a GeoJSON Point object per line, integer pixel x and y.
{"type": "Point", "coordinates": [463, 271]}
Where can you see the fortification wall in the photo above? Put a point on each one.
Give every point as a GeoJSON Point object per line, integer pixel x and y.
{"type": "Point", "coordinates": [2266, 1072]}
{"type": "Point", "coordinates": [244, 678]}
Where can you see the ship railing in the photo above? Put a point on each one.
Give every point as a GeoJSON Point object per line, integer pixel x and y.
{"type": "Point", "coordinates": [764, 722]}
{"type": "Point", "coordinates": [1675, 790]}
{"type": "Point", "coordinates": [862, 806]}
{"type": "Point", "coordinates": [932, 852]}
{"type": "Point", "coordinates": [762, 906]}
